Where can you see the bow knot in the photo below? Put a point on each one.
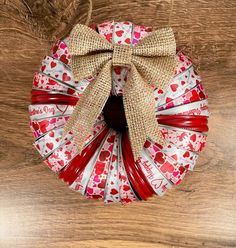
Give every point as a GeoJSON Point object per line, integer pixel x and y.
{"type": "Point", "coordinates": [151, 62]}
{"type": "Point", "coordinates": [122, 55]}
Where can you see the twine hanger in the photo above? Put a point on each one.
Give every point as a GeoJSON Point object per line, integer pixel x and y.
{"type": "Point", "coordinates": [90, 10]}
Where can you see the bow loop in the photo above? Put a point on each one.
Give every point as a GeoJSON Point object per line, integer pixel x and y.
{"type": "Point", "coordinates": [86, 66]}
{"type": "Point", "coordinates": [158, 43]}
{"type": "Point", "coordinates": [156, 72]}
{"type": "Point", "coordinates": [152, 61]}
{"type": "Point", "coordinates": [84, 40]}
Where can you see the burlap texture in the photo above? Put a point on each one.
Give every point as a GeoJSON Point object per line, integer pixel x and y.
{"type": "Point", "coordinates": [151, 62]}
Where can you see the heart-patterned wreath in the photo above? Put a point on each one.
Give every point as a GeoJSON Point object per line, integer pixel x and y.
{"type": "Point", "coordinates": [118, 112]}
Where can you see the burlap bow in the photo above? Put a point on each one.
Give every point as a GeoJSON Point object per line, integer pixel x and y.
{"type": "Point", "coordinates": [152, 61]}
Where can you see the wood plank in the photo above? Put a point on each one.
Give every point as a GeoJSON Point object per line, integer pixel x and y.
{"type": "Point", "coordinates": [38, 210]}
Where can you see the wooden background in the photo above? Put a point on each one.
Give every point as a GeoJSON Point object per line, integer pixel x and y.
{"type": "Point", "coordinates": [38, 210]}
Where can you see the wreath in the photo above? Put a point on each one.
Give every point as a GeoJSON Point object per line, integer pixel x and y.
{"type": "Point", "coordinates": [106, 167]}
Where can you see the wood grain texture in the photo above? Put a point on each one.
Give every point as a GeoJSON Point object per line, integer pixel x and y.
{"type": "Point", "coordinates": [38, 210]}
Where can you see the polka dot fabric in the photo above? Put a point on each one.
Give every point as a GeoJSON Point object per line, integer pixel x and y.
{"type": "Point", "coordinates": [105, 168]}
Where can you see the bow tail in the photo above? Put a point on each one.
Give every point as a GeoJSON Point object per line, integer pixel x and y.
{"type": "Point", "coordinates": [89, 107]}
{"type": "Point", "coordinates": [140, 112]}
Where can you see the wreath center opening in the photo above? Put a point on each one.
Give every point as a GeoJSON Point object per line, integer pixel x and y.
{"type": "Point", "coordinates": [114, 113]}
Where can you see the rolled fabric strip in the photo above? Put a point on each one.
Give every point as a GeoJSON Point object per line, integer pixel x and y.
{"type": "Point", "coordinates": [79, 161]}
{"type": "Point", "coordinates": [46, 83]}
{"type": "Point", "coordinates": [112, 193]}
{"type": "Point", "coordinates": [97, 181]}
{"type": "Point", "coordinates": [40, 127]}
{"type": "Point", "coordinates": [194, 108]}
{"type": "Point", "coordinates": [135, 174]}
